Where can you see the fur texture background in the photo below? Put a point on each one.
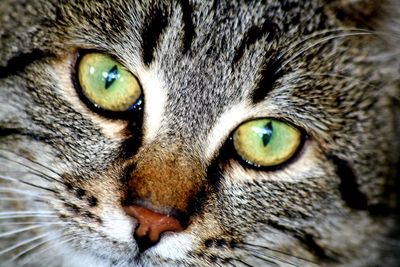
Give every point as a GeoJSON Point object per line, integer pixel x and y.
{"type": "Point", "coordinates": [331, 68]}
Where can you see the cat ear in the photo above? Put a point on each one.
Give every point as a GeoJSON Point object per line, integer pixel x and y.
{"type": "Point", "coordinates": [359, 13]}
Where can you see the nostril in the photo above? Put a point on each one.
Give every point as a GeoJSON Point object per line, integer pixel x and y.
{"type": "Point", "coordinates": [151, 225]}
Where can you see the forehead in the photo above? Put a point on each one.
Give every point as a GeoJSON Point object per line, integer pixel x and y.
{"type": "Point", "coordinates": [196, 60]}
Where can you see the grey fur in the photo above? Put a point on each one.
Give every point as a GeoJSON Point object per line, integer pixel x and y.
{"type": "Point", "coordinates": [340, 83]}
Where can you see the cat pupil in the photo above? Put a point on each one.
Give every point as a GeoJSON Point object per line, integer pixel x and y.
{"type": "Point", "coordinates": [111, 76]}
{"type": "Point", "coordinates": [266, 133]}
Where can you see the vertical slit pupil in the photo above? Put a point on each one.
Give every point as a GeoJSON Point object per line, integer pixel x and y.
{"type": "Point", "coordinates": [111, 76]}
{"type": "Point", "coordinates": [266, 133]}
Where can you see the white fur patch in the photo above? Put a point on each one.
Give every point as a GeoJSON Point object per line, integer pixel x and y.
{"type": "Point", "coordinates": [173, 246]}
{"type": "Point", "coordinates": [117, 225]}
{"type": "Point", "coordinates": [226, 123]}
{"type": "Point", "coordinates": [155, 99]}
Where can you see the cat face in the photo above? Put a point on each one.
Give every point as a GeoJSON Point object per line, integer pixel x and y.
{"type": "Point", "coordinates": [197, 134]}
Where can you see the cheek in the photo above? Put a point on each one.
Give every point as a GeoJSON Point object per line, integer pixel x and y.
{"type": "Point", "coordinates": [306, 188]}
{"type": "Point", "coordinates": [308, 164]}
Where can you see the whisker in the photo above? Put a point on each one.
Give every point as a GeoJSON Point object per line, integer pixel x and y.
{"type": "Point", "coordinates": [48, 247]}
{"type": "Point", "coordinates": [21, 230]}
{"type": "Point", "coordinates": [27, 212]}
{"type": "Point", "coordinates": [11, 199]}
{"type": "Point", "coordinates": [277, 251]}
{"type": "Point", "coordinates": [30, 223]}
{"type": "Point", "coordinates": [29, 249]}
{"type": "Point", "coordinates": [38, 244]}
{"type": "Point", "coordinates": [32, 161]}
{"type": "Point", "coordinates": [16, 199]}
{"type": "Point", "coordinates": [299, 42]}
{"type": "Point", "coordinates": [7, 178]}
{"type": "Point", "coordinates": [242, 262]}
{"type": "Point", "coordinates": [27, 215]}
{"type": "Point", "coordinates": [272, 263]}
{"type": "Point", "coordinates": [46, 177]}
{"type": "Point", "coordinates": [25, 242]}
{"type": "Point", "coordinates": [262, 256]}
{"type": "Point", "coordinates": [309, 37]}
{"type": "Point", "coordinates": [230, 263]}
{"type": "Point", "coordinates": [320, 41]}
{"type": "Point", "coordinates": [26, 193]}
{"type": "Point", "coordinates": [42, 174]}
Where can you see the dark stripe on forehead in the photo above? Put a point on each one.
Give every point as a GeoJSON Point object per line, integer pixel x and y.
{"type": "Point", "coordinates": [188, 27]}
{"type": "Point", "coordinates": [348, 187]}
{"type": "Point", "coordinates": [269, 75]}
{"type": "Point", "coordinates": [155, 23]}
{"type": "Point", "coordinates": [9, 131]}
{"type": "Point", "coordinates": [268, 31]}
{"type": "Point", "coordinates": [19, 62]}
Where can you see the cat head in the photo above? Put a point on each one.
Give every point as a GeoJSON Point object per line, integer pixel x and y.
{"type": "Point", "coordinates": [256, 133]}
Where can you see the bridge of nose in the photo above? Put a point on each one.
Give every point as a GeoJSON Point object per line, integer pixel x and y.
{"type": "Point", "coordinates": [165, 182]}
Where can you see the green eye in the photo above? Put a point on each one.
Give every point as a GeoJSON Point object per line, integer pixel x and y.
{"type": "Point", "coordinates": [266, 142]}
{"type": "Point", "coordinates": [107, 84]}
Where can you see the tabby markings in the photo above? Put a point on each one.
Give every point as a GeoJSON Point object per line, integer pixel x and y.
{"type": "Point", "coordinates": [188, 26]}
{"type": "Point", "coordinates": [348, 187]}
{"type": "Point", "coordinates": [267, 31]}
{"type": "Point", "coordinates": [157, 22]}
{"type": "Point", "coordinates": [20, 61]}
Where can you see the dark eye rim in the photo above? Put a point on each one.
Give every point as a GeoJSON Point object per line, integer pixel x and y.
{"type": "Point", "coordinates": [249, 165]}
{"type": "Point", "coordinates": [124, 115]}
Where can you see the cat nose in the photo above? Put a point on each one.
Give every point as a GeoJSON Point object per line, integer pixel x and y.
{"type": "Point", "coordinates": [151, 225]}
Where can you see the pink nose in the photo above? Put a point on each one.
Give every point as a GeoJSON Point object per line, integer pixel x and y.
{"type": "Point", "coordinates": [152, 224]}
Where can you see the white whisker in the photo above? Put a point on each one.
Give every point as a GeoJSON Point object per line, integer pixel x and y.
{"type": "Point", "coordinates": [38, 244]}
{"type": "Point", "coordinates": [315, 35]}
{"type": "Point", "coordinates": [27, 250]}
{"type": "Point", "coordinates": [26, 193]}
{"type": "Point", "coordinates": [31, 227]}
{"type": "Point", "coordinates": [12, 199]}
{"type": "Point", "coordinates": [320, 41]}
{"type": "Point", "coordinates": [29, 167]}
{"type": "Point", "coordinates": [267, 257]}
{"type": "Point", "coordinates": [8, 178]}
{"type": "Point", "coordinates": [57, 243]}
{"type": "Point", "coordinates": [241, 262]}
{"type": "Point", "coordinates": [30, 223]}
{"type": "Point", "coordinates": [27, 212]}
{"type": "Point", "coordinates": [29, 215]}
{"type": "Point", "coordinates": [21, 230]}
{"type": "Point", "coordinates": [26, 241]}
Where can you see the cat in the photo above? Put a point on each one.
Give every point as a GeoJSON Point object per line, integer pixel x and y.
{"type": "Point", "coordinates": [199, 133]}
